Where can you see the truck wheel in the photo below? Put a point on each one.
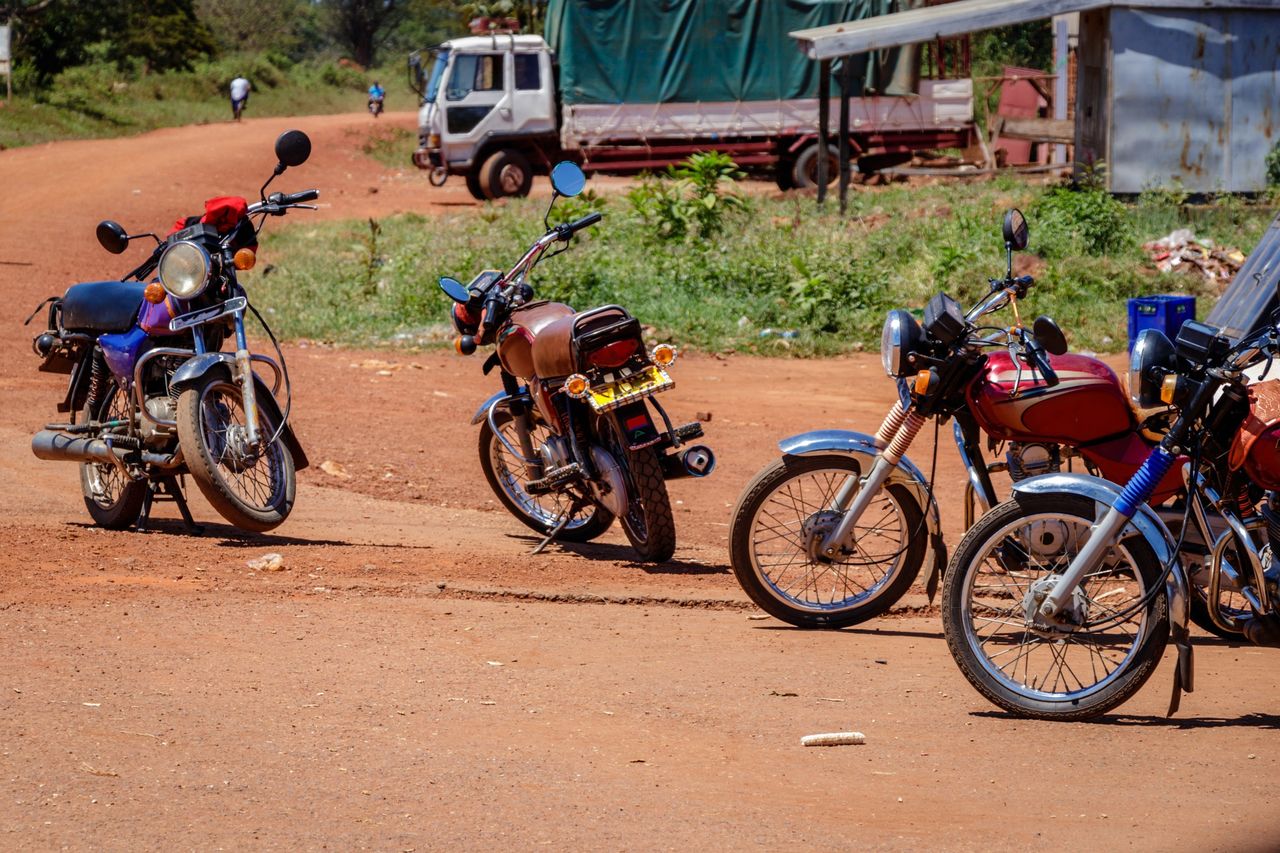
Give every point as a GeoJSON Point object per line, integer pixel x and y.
{"type": "Point", "coordinates": [804, 174]}
{"type": "Point", "coordinates": [473, 186]}
{"type": "Point", "coordinates": [506, 173]}
{"type": "Point", "coordinates": [782, 173]}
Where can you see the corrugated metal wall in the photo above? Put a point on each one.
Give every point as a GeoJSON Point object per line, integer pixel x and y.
{"type": "Point", "coordinates": [1194, 98]}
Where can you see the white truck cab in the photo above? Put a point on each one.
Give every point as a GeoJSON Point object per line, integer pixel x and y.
{"type": "Point", "coordinates": [488, 112]}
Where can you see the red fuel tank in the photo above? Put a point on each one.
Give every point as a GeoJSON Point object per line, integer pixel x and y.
{"type": "Point", "coordinates": [1088, 403]}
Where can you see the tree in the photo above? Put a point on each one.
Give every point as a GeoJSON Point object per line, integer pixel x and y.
{"type": "Point", "coordinates": [49, 37]}
{"type": "Point", "coordinates": [362, 24]}
{"type": "Point", "coordinates": [161, 34]}
{"type": "Point", "coordinates": [254, 25]}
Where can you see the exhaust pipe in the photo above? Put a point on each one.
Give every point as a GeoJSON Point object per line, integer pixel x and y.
{"type": "Point", "coordinates": [696, 460]}
{"type": "Point", "coordinates": [59, 447]}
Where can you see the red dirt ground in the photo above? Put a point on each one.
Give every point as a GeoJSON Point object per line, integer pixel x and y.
{"type": "Point", "coordinates": [415, 680]}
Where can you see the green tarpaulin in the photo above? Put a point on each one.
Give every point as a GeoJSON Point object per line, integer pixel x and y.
{"type": "Point", "coordinates": [663, 51]}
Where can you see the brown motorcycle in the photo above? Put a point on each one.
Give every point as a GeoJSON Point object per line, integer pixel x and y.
{"type": "Point", "coordinates": [571, 442]}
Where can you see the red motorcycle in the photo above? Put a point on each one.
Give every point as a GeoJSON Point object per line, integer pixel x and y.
{"type": "Point", "coordinates": [836, 530]}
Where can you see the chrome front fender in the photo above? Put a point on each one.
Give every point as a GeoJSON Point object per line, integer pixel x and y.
{"type": "Point", "coordinates": [483, 411]}
{"type": "Point", "coordinates": [193, 369]}
{"type": "Point", "coordinates": [863, 448]}
{"type": "Point", "coordinates": [1150, 527]}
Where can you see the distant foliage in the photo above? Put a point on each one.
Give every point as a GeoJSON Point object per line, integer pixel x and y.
{"type": "Point", "coordinates": [692, 199]}
{"type": "Point", "coordinates": [1273, 167]}
{"type": "Point", "coordinates": [1071, 221]}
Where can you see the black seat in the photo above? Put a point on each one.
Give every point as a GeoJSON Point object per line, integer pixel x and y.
{"type": "Point", "coordinates": [101, 306]}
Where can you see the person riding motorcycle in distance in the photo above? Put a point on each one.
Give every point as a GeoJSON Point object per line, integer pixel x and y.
{"type": "Point", "coordinates": [376, 93]}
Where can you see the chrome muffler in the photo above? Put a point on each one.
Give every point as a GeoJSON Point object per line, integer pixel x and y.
{"type": "Point", "coordinates": [696, 460]}
{"type": "Point", "coordinates": [57, 446]}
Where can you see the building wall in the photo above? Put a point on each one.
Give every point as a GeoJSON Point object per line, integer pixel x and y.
{"type": "Point", "coordinates": [1194, 98]}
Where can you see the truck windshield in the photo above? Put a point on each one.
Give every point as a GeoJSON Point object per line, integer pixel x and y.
{"type": "Point", "coordinates": [437, 71]}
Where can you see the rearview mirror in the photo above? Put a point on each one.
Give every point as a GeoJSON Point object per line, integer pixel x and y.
{"type": "Point", "coordinates": [567, 178]}
{"type": "Point", "coordinates": [293, 147]}
{"type": "Point", "coordinates": [112, 236]}
{"type": "Point", "coordinates": [454, 289]}
{"type": "Point", "coordinates": [1049, 336]}
{"type": "Point", "coordinates": [1015, 230]}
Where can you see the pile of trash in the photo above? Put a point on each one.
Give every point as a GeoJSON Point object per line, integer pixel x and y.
{"type": "Point", "coordinates": [1182, 249]}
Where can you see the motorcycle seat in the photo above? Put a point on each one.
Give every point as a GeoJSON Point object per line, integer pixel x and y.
{"type": "Point", "coordinates": [553, 350]}
{"type": "Point", "coordinates": [101, 306]}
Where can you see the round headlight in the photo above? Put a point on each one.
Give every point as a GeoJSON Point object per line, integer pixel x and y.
{"type": "Point", "coordinates": [902, 335]}
{"type": "Point", "coordinates": [1151, 350]}
{"type": "Point", "coordinates": [184, 269]}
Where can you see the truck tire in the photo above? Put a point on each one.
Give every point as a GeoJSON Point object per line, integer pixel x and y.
{"type": "Point", "coordinates": [804, 174]}
{"type": "Point", "coordinates": [506, 173]}
{"type": "Point", "coordinates": [473, 186]}
{"type": "Point", "coordinates": [782, 173]}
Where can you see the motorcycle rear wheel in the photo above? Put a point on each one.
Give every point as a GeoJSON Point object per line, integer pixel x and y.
{"type": "Point", "coordinates": [507, 477]}
{"type": "Point", "coordinates": [1071, 673]}
{"type": "Point", "coordinates": [648, 522]}
{"type": "Point", "coordinates": [824, 594]}
{"type": "Point", "coordinates": [253, 488]}
{"type": "Point", "coordinates": [114, 501]}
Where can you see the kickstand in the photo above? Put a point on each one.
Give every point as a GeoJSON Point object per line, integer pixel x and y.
{"type": "Point", "coordinates": [560, 523]}
{"type": "Point", "coordinates": [166, 488]}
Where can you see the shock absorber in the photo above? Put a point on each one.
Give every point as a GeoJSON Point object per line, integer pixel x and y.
{"type": "Point", "coordinates": [889, 428]}
{"type": "Point", "coordinates": [905, 435]}
{"type": "Point", "coordinates": [96, 372]}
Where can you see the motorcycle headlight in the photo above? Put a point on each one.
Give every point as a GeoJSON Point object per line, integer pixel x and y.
{"type": "Point", "coordinates": [1152, 358]}
{"type": "Point", "coordinates": [902, 335]}
{"type": "Point", "coordinates": [184, 269]}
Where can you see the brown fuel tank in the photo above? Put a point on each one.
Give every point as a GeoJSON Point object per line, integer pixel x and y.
{"type": "Point", "coordinates": [515, 341]}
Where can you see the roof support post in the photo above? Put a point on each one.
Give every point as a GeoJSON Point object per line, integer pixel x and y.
{"type": "Point", "coordinates": [824, 125]}
{"type": "Point", "coordinates": [846, 83]}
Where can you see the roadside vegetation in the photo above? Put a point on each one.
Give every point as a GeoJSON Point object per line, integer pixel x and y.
{"type": "Point", "coordinates": [710, 267]}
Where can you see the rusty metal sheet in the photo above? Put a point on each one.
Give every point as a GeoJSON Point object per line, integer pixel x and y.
{"type": "Point", "coordinates": [1195, 98]}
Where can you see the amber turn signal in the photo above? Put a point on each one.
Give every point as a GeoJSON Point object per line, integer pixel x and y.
{"type": "Point", "coordinates": [245, 259]}
{"type": "Point", "coordinates": [663, 355]}
{"type": "Point", "coordinates": [576, 386]}
{"type": "Point", "coordinates": [154, 293]}
{"type": "Point", "coordinates": [921, 386]}
{"type": "Point", "coordinates": [1168, 388]}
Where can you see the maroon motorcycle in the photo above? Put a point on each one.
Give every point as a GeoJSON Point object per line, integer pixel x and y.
{"type": "Point", "coordinates": [836, 530]}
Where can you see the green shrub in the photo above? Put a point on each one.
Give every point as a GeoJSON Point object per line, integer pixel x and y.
{"type": "Point", "coordinates": [1080, 221]}
{"type": "Point", "coordinates": [1273, 167]}
{"type": "Point", "coordinates": [691, 199]}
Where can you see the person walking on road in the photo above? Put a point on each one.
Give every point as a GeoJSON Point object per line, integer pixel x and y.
{"type": "Point", "coordinates": [239, 96]}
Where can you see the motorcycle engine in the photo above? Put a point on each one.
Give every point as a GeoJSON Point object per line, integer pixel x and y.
{"type": "Point", "coordinates": [162, 408]}
{"type": "Point", "coordinates": [554, 452]}
{"type": "Point", "coordinates": [1030, 460]}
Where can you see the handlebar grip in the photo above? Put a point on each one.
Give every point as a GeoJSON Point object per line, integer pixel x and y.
{"type": "Point", "coordinates": [1042, 364]}
{"type": "Point", "coordinates": [300, 197]}
{"type": "Point", "coordinates": [585, 222]}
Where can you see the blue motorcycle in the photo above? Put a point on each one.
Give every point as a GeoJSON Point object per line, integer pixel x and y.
{"type": "Point", "coordinates": [151, 393]}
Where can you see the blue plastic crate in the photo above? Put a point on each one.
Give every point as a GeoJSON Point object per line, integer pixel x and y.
{"type": "Point", "coordinates": [1163, 312]}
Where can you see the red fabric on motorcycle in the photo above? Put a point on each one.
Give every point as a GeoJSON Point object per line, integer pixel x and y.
{"type": "Point", "coordinates": [226, 213]}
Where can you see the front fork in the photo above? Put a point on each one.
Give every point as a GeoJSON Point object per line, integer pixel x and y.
{"type": "Point", "coordinates": [248, 393]}
{"type": "Point", "coordinates": [893, 438]}
{"type": "Point", "coordinates": [524, 426]}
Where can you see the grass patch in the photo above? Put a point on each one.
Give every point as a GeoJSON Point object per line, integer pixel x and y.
{"type": "Point", "coordinates": [780, 264]}
{"type": "Point", "coordinates": [100, 100]}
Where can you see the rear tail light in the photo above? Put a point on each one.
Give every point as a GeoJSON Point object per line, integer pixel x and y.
{"type": "Point", "coordinates": [614, 354]}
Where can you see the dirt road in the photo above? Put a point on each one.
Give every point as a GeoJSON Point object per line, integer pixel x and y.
{"type": "Point", "coordinates": [414, 680]}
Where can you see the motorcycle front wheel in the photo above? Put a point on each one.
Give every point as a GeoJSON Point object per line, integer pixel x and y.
{"type": "Point", "coordinates": [114, 500]}
{"type": "Point", "coordinates": [507, 477]}
{"type": "Point", "coordinates": [782, 515]}
{"type": "Point", "coordinates": [1094, 655]}
{"type": "Point", "coordinates": [251, 486]}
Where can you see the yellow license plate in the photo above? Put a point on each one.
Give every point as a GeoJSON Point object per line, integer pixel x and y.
{"type": "Point", "coordinates": [651, 380]}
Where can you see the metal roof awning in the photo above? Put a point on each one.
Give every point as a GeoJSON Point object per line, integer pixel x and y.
{"type": "Point", "coordinates": [967, 16]}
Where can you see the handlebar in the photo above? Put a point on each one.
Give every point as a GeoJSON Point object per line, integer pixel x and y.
{"type": "Point", "coordinates": [1040, 361]}
{"type": "Point", "coordinates": [569, 229]}
{"type": "Point", "coordinates": [277, 203]}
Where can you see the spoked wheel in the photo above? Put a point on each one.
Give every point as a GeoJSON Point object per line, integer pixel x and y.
{"type": "Point", "coordinates": [507, 477]}
{"type": "Point", "coordinates": [648, 521]}
{"type": "Point", "coordinates": [786, 512]}
{"type": "Point", "coordinates": [113, 499]}
{"type": "Point", "coordinates": [1087, 660]}
{"type": "Point", "coordinates": [251, 486]}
